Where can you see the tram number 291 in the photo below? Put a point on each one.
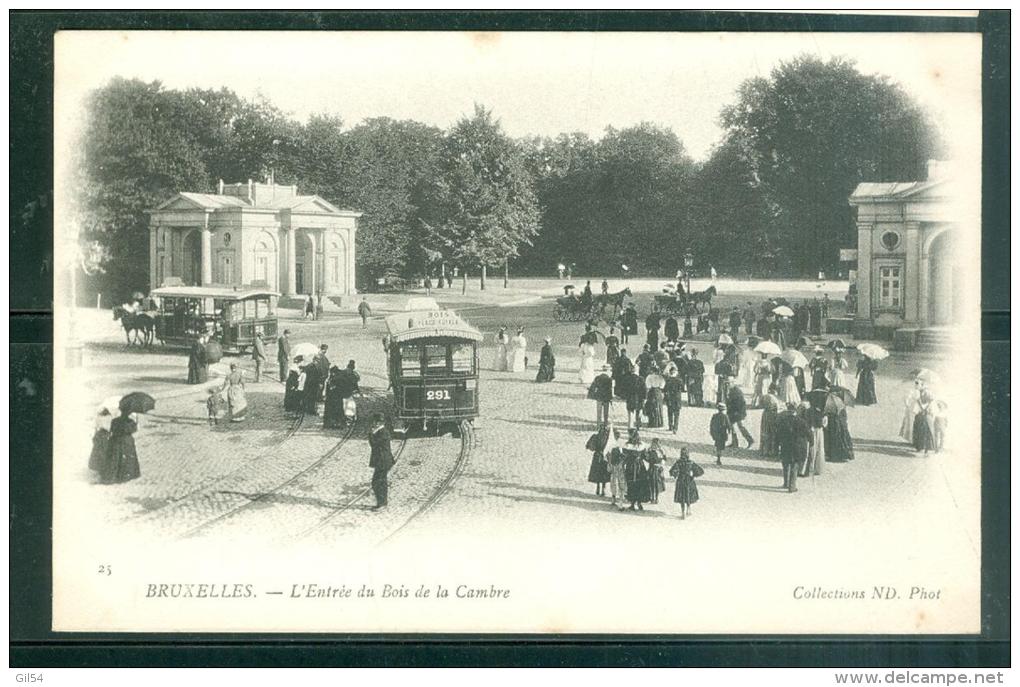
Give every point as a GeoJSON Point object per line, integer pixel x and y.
{"type": "Point", "coordinates": [437, 395]}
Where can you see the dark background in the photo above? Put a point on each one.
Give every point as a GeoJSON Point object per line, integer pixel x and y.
{"type": "Point", "coordinates": [31, 297]}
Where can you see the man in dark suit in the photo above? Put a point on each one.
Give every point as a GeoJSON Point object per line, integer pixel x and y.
{"type": "Point", "coordinates": [381, 460]}
{"type": "Point", "coordinates": [283, 353]}
{"type": "Point", "coordinates": [793, 436]}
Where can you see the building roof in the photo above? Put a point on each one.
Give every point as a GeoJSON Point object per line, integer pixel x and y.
{"type": "Point", "coordinates": [229, 201]}
{"type": "Point", "coordinates": [212, 291]}
{"type": "Point", "coordinates": [895, 191]}
{"type": "Point", "coordinates": [428, 323]}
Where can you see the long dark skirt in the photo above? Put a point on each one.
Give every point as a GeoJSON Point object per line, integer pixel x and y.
{"type": "Point", "coordinates": [546, 373]}
{"type": "Point", "coordinates": [291, 396]}
{"type": "Point", "coordinates": [310, 398]}
{"type": "Point", "coordinates": [653, 408]}
{"type": "Point", "coordinates": [333, 411]}
{"type": "Point", "coordinates": [866, 388]}
{"type": "Point", "coordinates": [598, 473]}
{"type": "Point", "coordinates": [924, 433]}
{"type": "Point", "coordinates": [638, 488]}
{"type": "Point", "coordinates": [839, 445]}
{"type": "Point", "coordinates": [122, 461]}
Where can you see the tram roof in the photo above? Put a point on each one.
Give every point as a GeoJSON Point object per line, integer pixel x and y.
{"type": "Point", "coordinates": [221, 291]}
{"type": "Point", "coordinates": [422, 324]}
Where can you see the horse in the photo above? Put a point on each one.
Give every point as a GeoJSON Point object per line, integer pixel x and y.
{"type": "Point", "coordinates": [141, 325]}
{"type": "Point", "coordinates": [697, 298]}
{"type": "Point", "coordinates": [614, 299]}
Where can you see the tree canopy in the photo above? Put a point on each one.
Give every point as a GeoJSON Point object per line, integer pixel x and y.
{"type": "Point", "coordinates": [770, 200]}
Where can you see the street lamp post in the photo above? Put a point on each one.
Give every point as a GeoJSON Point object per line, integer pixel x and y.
{"type": "Point", "coordinates": [688, 264]}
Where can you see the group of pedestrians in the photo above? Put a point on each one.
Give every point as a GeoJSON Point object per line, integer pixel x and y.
{"type": "Point", "coordinates": [511, 351]}
{"type": "Point", "coordinates": [635, 471]}
{"type": "Point", "coordinates": [315, 380]}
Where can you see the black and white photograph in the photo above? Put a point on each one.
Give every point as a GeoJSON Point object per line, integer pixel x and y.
{"type": "Point", "coordinates": [517, 332]}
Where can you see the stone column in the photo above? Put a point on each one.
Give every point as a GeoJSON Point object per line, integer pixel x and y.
{"type": "Point", "coordinates": [310, 264]}
{"type": "Point", "coordinates": [153, 259]}
{"type": "Point", "coordinates": [911, 279]}
{"type": "Point", "coordinates": [206, 254]}
{"type": "Point", "coordinates": [862, 327]}
{"type": "Point", "coordinates": [291, 287]}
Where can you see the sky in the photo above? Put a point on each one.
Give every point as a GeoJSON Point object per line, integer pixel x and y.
{"type": "Point", "coordinates": [536, 83]}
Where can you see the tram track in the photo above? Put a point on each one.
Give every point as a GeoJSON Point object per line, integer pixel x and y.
{"type": "Point", "coordinates": [295, 426]}
{"type": "Point", "coordinates": [467, 443]}
{"type": "Point", "coordinates": [256, 500]}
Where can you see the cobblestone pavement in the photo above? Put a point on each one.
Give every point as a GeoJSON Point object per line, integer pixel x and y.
{"type": "Point", "coordinates": [272, 483]}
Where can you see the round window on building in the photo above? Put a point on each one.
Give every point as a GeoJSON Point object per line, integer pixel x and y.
{"type": "Point", "coordinates": [890, 240]}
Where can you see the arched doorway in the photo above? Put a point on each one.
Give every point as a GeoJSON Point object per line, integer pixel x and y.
{"type": "Point", "coordinates": [191, 258]}
{"type": "Point", "coordinates": [305, 272]}
{"type": "Point", "coordinates": [943, 281]}
{"type": "Point", "coordinates": [335, 276]}
{"type": "Point", "coordinates": [264, 272]}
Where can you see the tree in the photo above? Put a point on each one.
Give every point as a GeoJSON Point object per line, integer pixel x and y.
{"type": "Point", "coordinates": [481, 208]}
{"type": "Point", "coordinates": [136, 153]}
{"type": "Point", "coordinates": [811, 132]}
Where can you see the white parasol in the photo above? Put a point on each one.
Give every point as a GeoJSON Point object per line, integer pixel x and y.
{"type": "Point", "coordinates": [794, 358]}
{"type": "Point", "coordinates": [768, 348]}
{"type": "Point", "coordinates": [873, 351]}
{"type": "Point", "coordinates": [783, 310]}
{"type": "Point", "coordinates": [304, 350]}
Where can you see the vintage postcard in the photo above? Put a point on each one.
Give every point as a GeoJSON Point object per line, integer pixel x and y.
{"type": "Point", "coordinates": [517, 332]}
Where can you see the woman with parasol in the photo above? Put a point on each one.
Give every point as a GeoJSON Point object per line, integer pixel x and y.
{"type": "Point", "coordinates": [237, 400]}
{"type": "Point", "coordinates": [910, 410]}
{"type": "Point", "coordinates": [866, 367]}
{"type": "Point", "coordinates": [121, 463]}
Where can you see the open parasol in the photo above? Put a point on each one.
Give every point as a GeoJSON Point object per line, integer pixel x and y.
{"type": "Point", "coordinates": [843, 394]}
{"type": "Point", "coordinates": [304, 350]}
{"type": "Point", "coordinates": [768, 348]}
{"type": "Point", "coordinates": [784, 310]}
{"type": "Point", "coordinates": [821, 399]}
{"type": "Point", "coordinates": [837, 344]}
{"type": "Point", "coordinates": [724, 339]}
{"type": "Point", "coordinates": [794, 358]}
{"type": "Point", "coordinates": [925, 375]}
{"type": "Point", "coordinates": [873, 351]}
{"type": "Point", "coordinates": [137, 402]}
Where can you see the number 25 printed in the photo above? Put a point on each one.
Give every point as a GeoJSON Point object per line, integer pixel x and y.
{"type": "Point", "coordinates": [438, 395]}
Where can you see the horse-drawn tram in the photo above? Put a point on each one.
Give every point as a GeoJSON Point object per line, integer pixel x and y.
{"type": "Point", "coordinates": [230, 315]}
{"type": "Point", "coordinates": [433, 366]}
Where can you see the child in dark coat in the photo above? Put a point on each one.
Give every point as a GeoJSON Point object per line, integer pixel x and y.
{"type": "Point", "coordinates": [720, 428]}
{"type": "Point", "coordinates": [214, 406]}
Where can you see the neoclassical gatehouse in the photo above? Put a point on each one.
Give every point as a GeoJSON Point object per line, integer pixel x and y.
{"type": "Point", "coordinates": [905, 262]}
{"type": "Point", "coordinates": [252, 234]}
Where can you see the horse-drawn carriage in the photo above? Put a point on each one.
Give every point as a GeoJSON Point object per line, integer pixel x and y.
{"type": "Point", "coordinates": [674, 302]}
{"type": "Point", "coordinates": [573, 308]}
{"type": "Point", "coordinates": [180, 314]}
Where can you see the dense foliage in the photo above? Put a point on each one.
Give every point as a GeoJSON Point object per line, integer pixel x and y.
{"type": "Point", "coordinates": [771, 199]}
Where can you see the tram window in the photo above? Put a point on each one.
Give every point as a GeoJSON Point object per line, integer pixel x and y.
{"type": "Point", "coordinates": [410, 360]}
{"type": "Point", "coordinates": [249, 309]}
{"type": "Point", "coordinates": [271, 306]}
{"type": "Point", "coordinates": [260, 308]}
{"type": "Point", "coordinates": [435, 359]}
{"type": "Point", "coordinates": [462, 356]}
